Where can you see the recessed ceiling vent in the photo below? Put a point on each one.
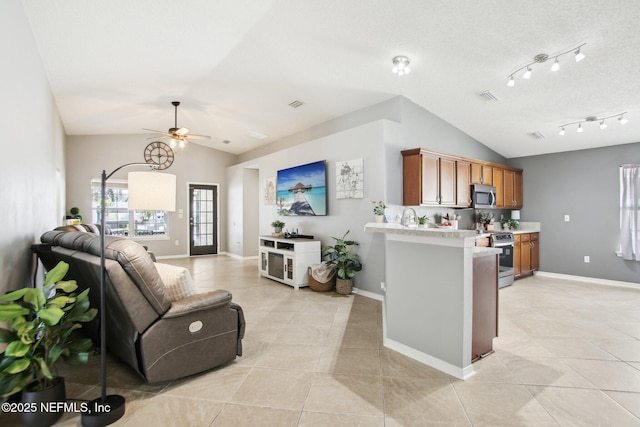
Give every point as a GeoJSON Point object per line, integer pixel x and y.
{"type": "Point", "coordinates": [296, 104]}
{"type": "Point", "coordinates": [488, 96]}
{"type": "Point", "coordinates": [537, 135]}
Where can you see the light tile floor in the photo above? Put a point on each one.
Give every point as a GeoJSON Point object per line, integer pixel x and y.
{"type": "Point", "coordinates": [568, 355]}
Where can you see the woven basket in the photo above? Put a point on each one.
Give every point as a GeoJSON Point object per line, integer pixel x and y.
{"type": "Point", "coordinates": [320, 286]}
{"type": "Point", "coordinates": [344, 286]}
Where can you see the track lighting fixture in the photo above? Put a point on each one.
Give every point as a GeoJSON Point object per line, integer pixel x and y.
{"type": "Point", "coordinates": [603, 125]}
{"type": "Point", "coordinates": [401, 65]}
{"type": "Point", "coordinates": [543, 57]}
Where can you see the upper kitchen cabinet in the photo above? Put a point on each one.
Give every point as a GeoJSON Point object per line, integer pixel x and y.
{"type": "Point", "coordinates": [512, 188]}
{"type": "Point", "coordinates": [436, 179]}
{"type": "Point", "coordinates": [433, 179]}
{"type": "Point", "coordinates": [481, 174]}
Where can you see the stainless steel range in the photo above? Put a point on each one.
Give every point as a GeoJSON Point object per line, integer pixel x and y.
{"type": "Point", "coordinates": [504, 241]}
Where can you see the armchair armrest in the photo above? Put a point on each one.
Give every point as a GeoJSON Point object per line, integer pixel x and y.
{"type": "Point", "coordinates": [197, 302]}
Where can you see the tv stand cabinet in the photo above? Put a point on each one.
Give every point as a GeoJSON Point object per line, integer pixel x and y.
{"type": "Point", "coordinates": [287, 260]}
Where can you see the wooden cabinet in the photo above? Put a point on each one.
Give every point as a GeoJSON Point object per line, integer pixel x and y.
{"type": "Point", "coordinates": [432, 179]}
{"type": "Point", "coordinates": [485, 305]}
{"type": "Point", "coordinates": [437, 179]}
{"type": "Point", "coordinates": [481, 174]}
{"type": "Point", "coordinates": [463, 181]}
{"type": "Point", "coordinates": [526, 254]}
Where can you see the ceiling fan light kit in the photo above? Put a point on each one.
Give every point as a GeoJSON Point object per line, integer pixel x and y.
{"type": "Point", "coordinates": [543, 57]}
{"type": "Point", "coordinates": [178, 137]}
{"type": "Point", "coordinates": [603, 125]}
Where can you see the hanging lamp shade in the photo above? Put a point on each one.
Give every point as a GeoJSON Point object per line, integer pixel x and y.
{"type": "Point", "coordinates": [153, 191]}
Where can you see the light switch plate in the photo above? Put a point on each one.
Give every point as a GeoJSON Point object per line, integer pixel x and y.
{"type": "Point", "coordinates": [567, 218]}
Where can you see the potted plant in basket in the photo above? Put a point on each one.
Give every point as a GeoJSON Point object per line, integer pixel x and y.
{"type": "Point", "coordinates": [346, 262]}
{"type": "Point", "coordinates": [277, 226]}
{"type": "Point", "coordinates": [41, 325]}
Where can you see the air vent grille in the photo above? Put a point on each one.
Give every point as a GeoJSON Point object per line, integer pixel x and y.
{"type": "Point", "coordinates": [488, 96]}
{"type": "Point", "coordinates": [296, 104]}
{"type": "Point", "coordinates": [537, 135]}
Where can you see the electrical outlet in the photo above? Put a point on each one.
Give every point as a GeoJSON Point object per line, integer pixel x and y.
{"type": "Point", "coordinates": [177, 242]}
{"type": "Point", "coordinates": [567, 218]}
{"type": "Point", "coordinates": [587, 259]}
{"type": "Point", "coordinates": [383, 286]}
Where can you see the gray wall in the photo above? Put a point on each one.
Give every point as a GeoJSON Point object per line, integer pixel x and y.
{"type": "Point", "coordinates": [585, 185]}
{"type": "Point", "coordinates": [87, 156]}
{"type": "Point", "coordinates": [32, 170]}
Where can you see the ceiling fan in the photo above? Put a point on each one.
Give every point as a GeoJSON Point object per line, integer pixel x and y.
{"type": "Point", "coordinates": [177, 136]}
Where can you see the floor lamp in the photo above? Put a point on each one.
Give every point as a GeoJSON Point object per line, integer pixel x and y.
{"type": "Point", "coordinates": [147, 191]}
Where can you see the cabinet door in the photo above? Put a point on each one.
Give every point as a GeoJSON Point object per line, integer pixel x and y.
{"type": "Point", "coordinates": [518, 201]}
{"type": "Point", "coordinates": [264, 262]}
{"type": "Point", "coordinates": [476, 173]}
{"type": "Point", "coordinates": [487, 175]}
{"type": "Point", "coordinates": [430, 180]}
{"type": "Point", "coordinates": [485, 305]}
{"type": "Point", "coordinates": [498, 178]}
{"type": "Point", "coordinates": [517, 270]}
{"type": "Point", "coordinates": [447, 181]}
{"type": "Point", "coordinates": [508, 188]}
{"type": "Point", "coordinates": [525, 255]}
{"type": "Point", "coordinates": [535, 251]}
{"type": "Point", "coordinates": [463, 185]}
{"type": "Point", "coordinates": [289, 271]}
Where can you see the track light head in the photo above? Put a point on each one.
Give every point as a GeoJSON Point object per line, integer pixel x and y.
{"type": "Point", "coordinates": [622, 120]}
{"type": "Point", "coordinates": [511, 82]}
{"type": "Point", "coordinates": [603, 125]}
{"type": "Point", "coordinates": [579, 130]}
{"type": "Point", "coordinates": [562, 131]}
{"type": "Point", "coordinates": [527, 74]}
{"type": "Point", "coordinates": [401, 65]}
{"type": "Point", "coordinates": [556, 65]}
{"type": "Point", "coordinates": [579, 55]}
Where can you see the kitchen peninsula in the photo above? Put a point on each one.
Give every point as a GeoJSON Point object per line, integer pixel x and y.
{"type": "Point", "coordinates": [429, 294]}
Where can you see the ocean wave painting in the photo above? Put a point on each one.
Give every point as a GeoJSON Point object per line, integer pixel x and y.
{"type": "Point", "coordinates": [302, 190]}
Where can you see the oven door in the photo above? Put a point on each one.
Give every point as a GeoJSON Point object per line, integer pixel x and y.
{"type": "Point", "coordinates": [505, 264]}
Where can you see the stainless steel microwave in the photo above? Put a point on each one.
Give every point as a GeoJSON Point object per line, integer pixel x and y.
{"type": "Point", "coordinates": [483, 197]}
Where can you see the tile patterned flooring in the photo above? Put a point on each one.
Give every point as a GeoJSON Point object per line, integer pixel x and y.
{"type": "Point", "coordinates": [568, 355]}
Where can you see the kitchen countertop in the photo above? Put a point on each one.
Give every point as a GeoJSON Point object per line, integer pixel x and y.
{"type": "Point", "coordinates": [479, 251]}
{"type": "Point", "coordinates": [447, 233]}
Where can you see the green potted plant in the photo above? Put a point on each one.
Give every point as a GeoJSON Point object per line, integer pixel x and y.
{"type": "Point", "coordinates": [422, 220]}
{"type": "Point", "coordinates": [378, 210]}
{"type": "Point", "coordinates": [509, 223]}
{"type": "Point", "coordinates": [277, 226]}
{"type": "Point", "coordinates": [346, 262]}
{"type": "Point", "coordinates": [41, 325]}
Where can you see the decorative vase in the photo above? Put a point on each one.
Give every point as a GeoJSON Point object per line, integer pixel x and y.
{"type": "Point", "coordinates": [54, 394]}
{"type": "Point", "coordinates": [379, 218]}
{"type": "Point", "coordinates": [344, 286]}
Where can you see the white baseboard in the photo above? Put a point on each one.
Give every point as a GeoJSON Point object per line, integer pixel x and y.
{"type": "Point", "coordinates": [446, 367]}
{"type": "Point", "coordinates": [594, 280]}
{"type": "Point", "coordinates": [368, 294]}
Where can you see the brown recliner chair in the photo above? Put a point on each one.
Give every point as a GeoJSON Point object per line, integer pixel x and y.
{"type": "Point", "coordinates": [161, 339]}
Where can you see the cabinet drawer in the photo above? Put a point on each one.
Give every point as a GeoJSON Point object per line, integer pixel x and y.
{"type": "Point", "coordinates": [525, 237]}
{"type": "Point", "coordinates": [535, 236]}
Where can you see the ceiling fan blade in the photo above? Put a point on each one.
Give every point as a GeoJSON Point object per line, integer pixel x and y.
{"type": "Point", "coordinates": [156, 131]}
{"type": "Point", "coordinates": [182, 131]}
{"type": "Point", "coordinates": [195, 136]}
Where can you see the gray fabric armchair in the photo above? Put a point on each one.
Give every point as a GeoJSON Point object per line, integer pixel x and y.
{"type": "Point", "coordinates": [161, 339]}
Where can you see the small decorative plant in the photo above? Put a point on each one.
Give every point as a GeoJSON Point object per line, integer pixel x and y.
{"type": "Point", "coordinates": [422, 220]}
{"type": "Point", "coordinates": [509, 223]}
{"type": "Point", "coordinates": [341, 256]}
{"type": "Point", "coordinates": [277, 224]}
{"type": "Point", "coordinates": [41, 325]}
{"type": "Point", "coordinates": [378, 208]}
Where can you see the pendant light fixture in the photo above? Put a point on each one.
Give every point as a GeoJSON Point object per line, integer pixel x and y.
{"type": "Point", "coordinates": [603, 125]}
{"type": "Point", "coordinates": [543, 57]}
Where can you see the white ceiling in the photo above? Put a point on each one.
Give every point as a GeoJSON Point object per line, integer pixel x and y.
{"type": "Point", "coordinates": [115, 66]}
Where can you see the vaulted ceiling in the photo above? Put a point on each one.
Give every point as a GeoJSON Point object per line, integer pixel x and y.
{"type": "Point", "coordinates": [235, 65]}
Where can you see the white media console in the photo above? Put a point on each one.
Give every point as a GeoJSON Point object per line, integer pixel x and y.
{"type": "Point", "coordinates": [287, 260]}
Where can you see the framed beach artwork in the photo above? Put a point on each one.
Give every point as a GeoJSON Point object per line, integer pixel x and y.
{"type": "Point", "coordinates": [350, 179]}
{"type": "Point", "coordinates": [302, 190]}
{"type": "Point", "coordinates": [270, 191]}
